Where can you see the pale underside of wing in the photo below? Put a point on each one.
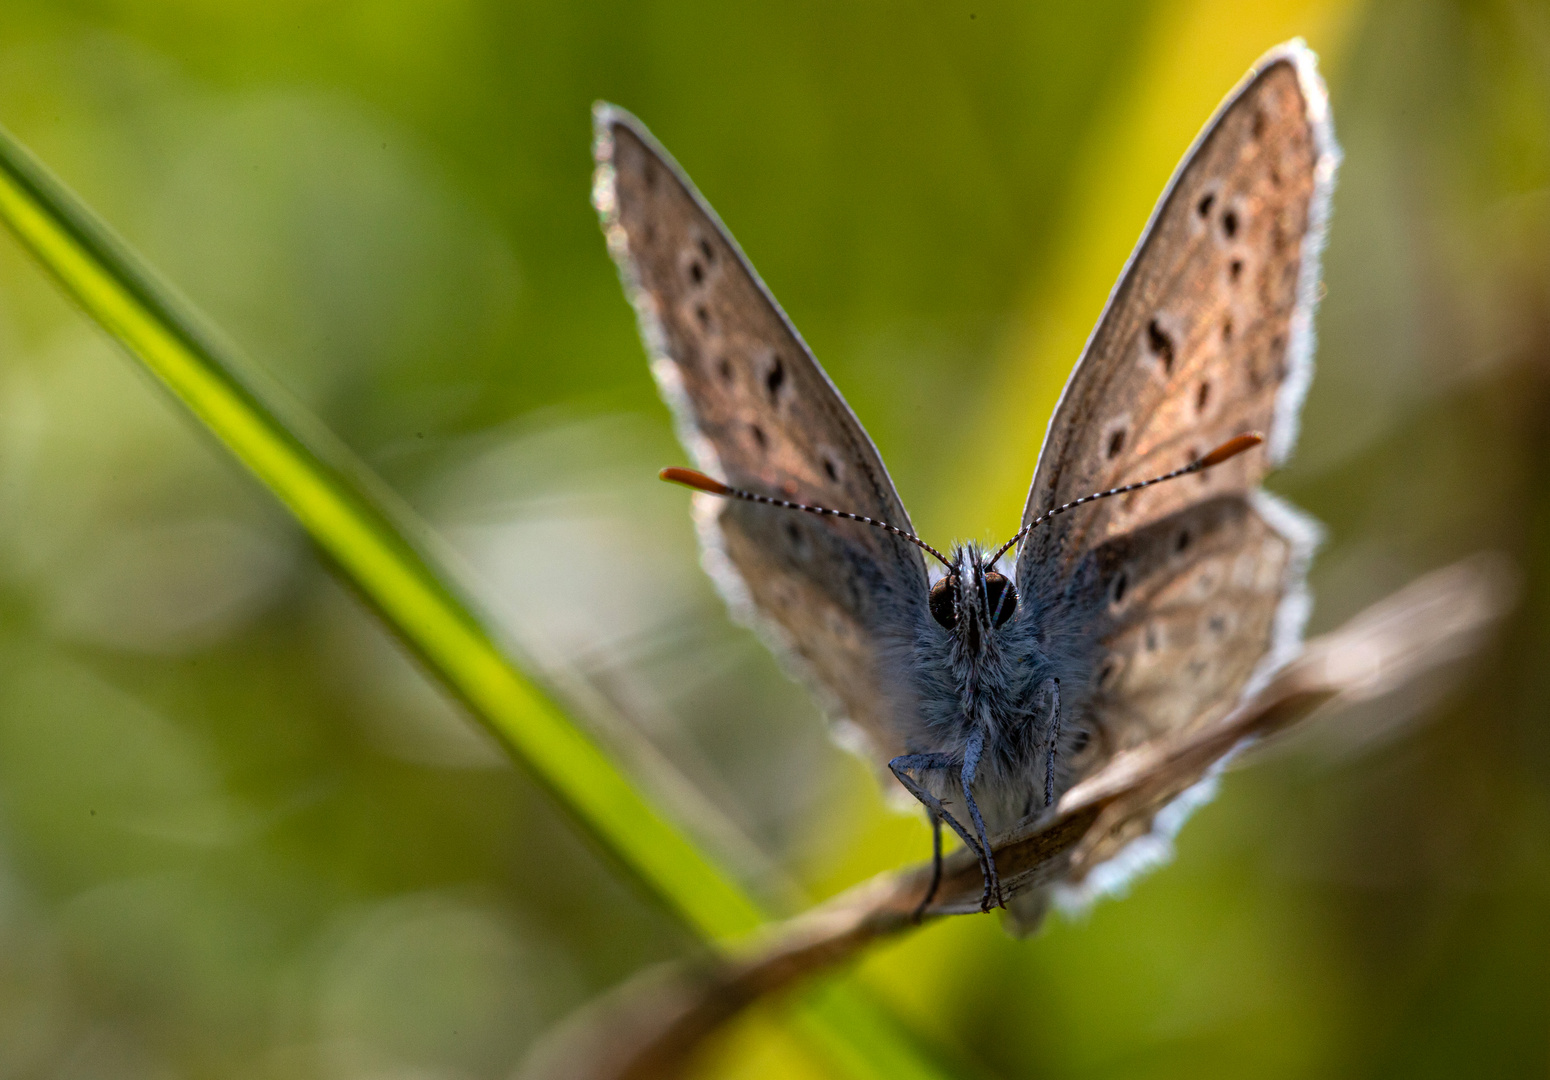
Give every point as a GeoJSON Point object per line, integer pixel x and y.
{"type": "Point", "coordinates": [756, 410]}
{"type": "Point", "coordinates": [1208, 332]}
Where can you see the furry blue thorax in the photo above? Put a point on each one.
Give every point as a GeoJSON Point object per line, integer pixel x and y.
{"type": "Point", "coordinates": [1002, 682]}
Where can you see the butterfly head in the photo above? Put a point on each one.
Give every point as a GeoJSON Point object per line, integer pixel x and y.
{"type": "Point", "coordinates": [972, 600]}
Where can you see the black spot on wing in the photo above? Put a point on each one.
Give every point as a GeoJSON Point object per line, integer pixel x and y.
{"type": "Point", "coordinates": [1116, 442]}
{"type": "Point", "coordinates": [775, 378]}
{"type": "Point", "coordinates": [1160, 344]}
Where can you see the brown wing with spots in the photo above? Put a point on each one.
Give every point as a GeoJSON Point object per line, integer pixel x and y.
{"type": "Point", "coordinates": [756, 410]}
{"type": "Point", "coordinates": [1188, 608]}
{"type": "Point", "coordinates": [1208, 332]}
{"type": "Point", "coordinates": [1207, 335]}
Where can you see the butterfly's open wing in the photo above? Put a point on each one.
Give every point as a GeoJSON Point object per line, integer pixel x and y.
{"type": "Point", "coordinates": [756, 410]}
{"type": "Point", "coordinates": [1207, 335]}
{"type": "Point", "coordinates": [1193, 589]}
{"type": "Point", "coordinates": [1209, 331]}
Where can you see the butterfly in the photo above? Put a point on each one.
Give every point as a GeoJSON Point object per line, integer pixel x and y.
{"type": "Point", "coordinates": [1153, 582]}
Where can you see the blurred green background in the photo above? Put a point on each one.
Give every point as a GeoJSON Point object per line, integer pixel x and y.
{"type": "Point", "coordinates": [241, 837]}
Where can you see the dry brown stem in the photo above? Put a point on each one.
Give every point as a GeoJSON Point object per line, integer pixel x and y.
{"type": "Point", "coordinates": [648, 1029]}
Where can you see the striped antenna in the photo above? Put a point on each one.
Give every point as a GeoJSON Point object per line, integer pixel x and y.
{"type": "Point", "coordinates": [700, 482]}
{"type": "Point", "coordinates": [1228, 450]}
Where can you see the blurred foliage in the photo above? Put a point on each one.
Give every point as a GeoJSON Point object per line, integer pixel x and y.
{"type": "Point", "coordinates": [241, 836]}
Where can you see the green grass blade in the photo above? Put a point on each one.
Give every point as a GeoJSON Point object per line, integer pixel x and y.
{"type": "Point", "coordinates": [115, 288]}
{"type": "Point", "coordinates": [334, 499]}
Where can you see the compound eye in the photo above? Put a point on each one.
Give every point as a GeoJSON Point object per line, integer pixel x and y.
{"type": "Point", "coordinates": [1001, 598]}
{"type": "Point", "coordinates": [944, 601]}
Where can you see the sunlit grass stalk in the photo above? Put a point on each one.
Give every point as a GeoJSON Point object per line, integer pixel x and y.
{"type": "Point", "coordinates": [370, 539]}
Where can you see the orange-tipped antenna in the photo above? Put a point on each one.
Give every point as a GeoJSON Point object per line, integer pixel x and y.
{"type": "Point", "coordinates": [700, 482]}
{"type": "Point", "coordinates": [696, 480]}
{"type": "Point", "coordinates": [1227, 451]}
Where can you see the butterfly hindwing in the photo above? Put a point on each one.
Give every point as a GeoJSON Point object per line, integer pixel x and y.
{"type": "Point", "coordinates": [759, 412]}
{"type": "Point", "coordinates": [1186, 608]}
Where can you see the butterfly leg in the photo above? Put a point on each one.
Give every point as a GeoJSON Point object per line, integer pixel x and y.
{"type": "Point", "coordinates": [901, 767]}
{"type": "Point", "coordinates": [936, 867]}
{"type": "Point", "coordinates": [1052, 687]}
{"type": "Point", "coordinates": [971, 759]}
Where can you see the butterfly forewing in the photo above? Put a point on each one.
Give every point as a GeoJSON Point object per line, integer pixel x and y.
{"type": "Point", "coordinates": [1207, 333]}
{"type": "Point", "coordinates": [760, 413]}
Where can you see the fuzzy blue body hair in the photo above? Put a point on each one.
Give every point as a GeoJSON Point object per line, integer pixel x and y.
{"type": "Point", "coordinates": [996, 681]}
